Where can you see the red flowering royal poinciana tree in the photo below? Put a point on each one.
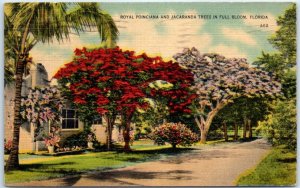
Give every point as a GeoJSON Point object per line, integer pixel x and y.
{"type": "Point", "coordinates": [113, 81]}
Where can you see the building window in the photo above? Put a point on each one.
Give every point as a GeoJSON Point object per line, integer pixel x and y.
{"type": "Point", "coordinates": [69, 119]}
{"type": "Point", "coordinates": [97, 120]}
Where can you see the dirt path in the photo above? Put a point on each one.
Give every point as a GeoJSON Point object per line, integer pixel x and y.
{"type": "Point", "coordinates": [207, 166]}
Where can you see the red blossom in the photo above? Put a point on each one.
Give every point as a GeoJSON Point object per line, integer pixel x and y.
{"type": "Point", "coordinates": [120, 80]}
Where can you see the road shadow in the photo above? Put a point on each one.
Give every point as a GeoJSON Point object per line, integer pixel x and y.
{"type": "Point", "coordinates": [124, 177]}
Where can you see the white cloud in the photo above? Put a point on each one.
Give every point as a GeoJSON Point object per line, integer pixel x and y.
{"type": "Point", "coordinates": [153, 36]}
{"type": "Point", "coordinates": [239, 35]}
{"type": "Point", "coordinates": [56, 54]}
{"type": "Point", "coordinates": [145, 34]}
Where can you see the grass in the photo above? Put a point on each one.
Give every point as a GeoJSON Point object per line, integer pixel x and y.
{"type": "Point", "coordinates": [34, 167]}
{"type": "Point", "coordinates": [277, 169]}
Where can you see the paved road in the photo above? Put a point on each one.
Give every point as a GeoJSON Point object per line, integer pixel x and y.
{"type": "Point", "coordinates": [218, 165]}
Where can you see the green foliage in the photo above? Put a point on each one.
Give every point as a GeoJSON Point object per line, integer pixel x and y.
{"type": "Point", "coordinates": [175, 134]}
{"type": "Point", "coordinates": [283, 62]}
{"type": "Point", "coordinates": [285, 38]}
{"type": "Point", "coordinates": [215, 134]}
{"type": "Point", "coordinates": [277, 169]}
{"type": "Point", "coordinates": [187, 120]}
{"type": "Point", "coordinates": [242, 109]}
{"type": "Point", "coordinates": [280, 127]}
{"type": "Point", "coordinates": [79, 139]}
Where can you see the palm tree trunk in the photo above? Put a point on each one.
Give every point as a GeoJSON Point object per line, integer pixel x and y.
{"type": "Point", "coordinates": [13, 160]}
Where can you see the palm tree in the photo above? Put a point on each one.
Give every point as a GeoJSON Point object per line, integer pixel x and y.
{"type": "Point", "coordinates": [11, 49]}
{"type": "Point", "coordinates": [44, 22]}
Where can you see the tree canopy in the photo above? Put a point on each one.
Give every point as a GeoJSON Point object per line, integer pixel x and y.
{"type": "Point", "coordinates": [108, 81]}
{"type": "Point", "coordinates": [283, 62]}
{"type": "Point", "coordinates": [218, 81]}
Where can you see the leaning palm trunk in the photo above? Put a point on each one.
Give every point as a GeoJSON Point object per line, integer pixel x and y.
{"type": "Point", "coordinates": [13, 160]}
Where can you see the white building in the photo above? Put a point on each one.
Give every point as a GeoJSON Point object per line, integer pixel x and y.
{"type": "Point", "coordinates": [70, 124]}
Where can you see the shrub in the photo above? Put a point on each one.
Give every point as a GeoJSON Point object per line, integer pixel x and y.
{"type": "Point", "coordinates": [7, 146]}
{"type": "Point", "coordinates": [80, 139]}
{"type": "Point", "coordinates": [280, 127]}
{"type": "Point", "coordinates": [52, 138]}
{"type": "Point", "coordinates": [216, 134]}
{"type": "Point", "coordinates": [175, 134]}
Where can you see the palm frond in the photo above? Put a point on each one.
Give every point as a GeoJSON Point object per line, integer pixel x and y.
{"type": "Point", "coordinates": [86, 16]}
{"type": "Point", "coordinates": [46, 20]}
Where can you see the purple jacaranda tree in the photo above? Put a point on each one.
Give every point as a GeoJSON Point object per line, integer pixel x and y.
{"type": "Point", "coordinates": [219, 80]}
{"type": "Point", "coordinates": [40, 106]}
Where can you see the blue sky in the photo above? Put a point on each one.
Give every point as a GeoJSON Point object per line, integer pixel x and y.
{"type": "Point", "coordinates": [232, 38]}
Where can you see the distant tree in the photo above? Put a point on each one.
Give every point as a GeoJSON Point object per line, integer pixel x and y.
{"type": "Point", "coordinates": [218, 81]}
{"type": "Point", "coordinates": [280, 127]}
{"type": "Point", "coordinates": [283, 62]}
{"type": "Point", "coordinates": [245, 112]}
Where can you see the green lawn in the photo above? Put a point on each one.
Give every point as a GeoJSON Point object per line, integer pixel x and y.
{"type": "Point", "coordinates": [40, 167]}
{"type": "Point", "coordinates": [277, 169]}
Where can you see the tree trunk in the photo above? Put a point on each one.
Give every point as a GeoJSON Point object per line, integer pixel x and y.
{"type": "Point", "coordinates": [109, 137]}
{"type": "Point", "coordinates": [203, 137]}
{"type": "Point", "coordinates": [245, 128]}
{"type": "Point", "coordinates": [126, 122]}
{"type": "Point", "coordinates": [110, 122]}
{"type": "Point", "coordinates": [225, 132]}
{"type": "Point", "coordinates": [13, 159]}
{"type": "Point", "coordinates": [250, 129]}
{"type": "Point", "coordinates": [204, 125]}
{"type": "Point", "coordinates": [174, 146]}
{"type": "Point", "coordinates": [126, 135]}
{"type": "Point", "coordinates": [236, 132]}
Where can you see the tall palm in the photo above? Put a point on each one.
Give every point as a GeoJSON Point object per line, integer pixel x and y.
{"type": "Point", "coordinates": [11, 49]}
{"type": "Point", "coordinates": [44, 22]}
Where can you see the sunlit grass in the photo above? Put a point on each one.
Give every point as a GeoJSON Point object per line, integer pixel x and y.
{"type": "Point", "coordinates": [277, 169]}
{"type": "Point", "coordinates": [40, 167]}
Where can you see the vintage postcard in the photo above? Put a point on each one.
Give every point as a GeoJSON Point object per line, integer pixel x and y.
{"type": "Point", "coordinates": [150, 94]}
